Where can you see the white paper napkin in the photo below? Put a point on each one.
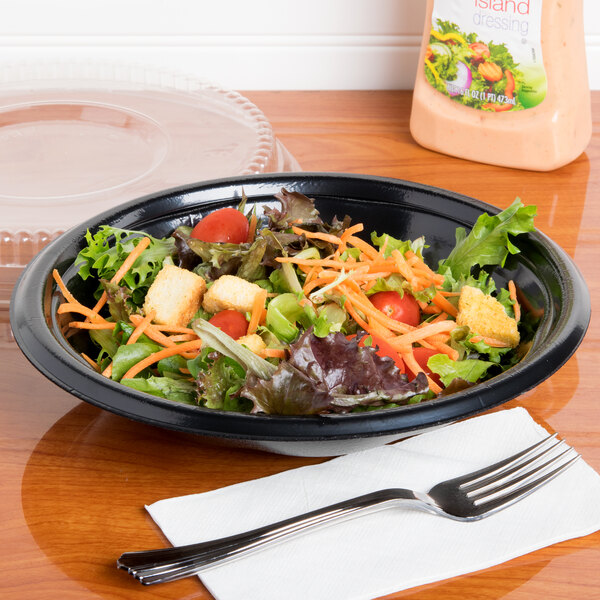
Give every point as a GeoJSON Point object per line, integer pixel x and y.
{"type": "Point", "coordinates": [393, 549]}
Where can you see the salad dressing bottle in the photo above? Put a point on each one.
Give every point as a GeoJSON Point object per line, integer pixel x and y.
{"type": "Point", "coordinates": [503, 82]}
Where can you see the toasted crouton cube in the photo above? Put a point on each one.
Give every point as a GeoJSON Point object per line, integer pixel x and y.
{"type": "Point", "coordinates": [485, 316]}
{"type": "Point", "coordinates": [230, 292]}
{"type": "Point", "coordinates": [253, 342]}
{"type": "Point", "coordinates": [175, 296]}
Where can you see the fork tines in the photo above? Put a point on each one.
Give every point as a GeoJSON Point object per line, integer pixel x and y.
{"type": "Point", "coordinates": [521, 474]}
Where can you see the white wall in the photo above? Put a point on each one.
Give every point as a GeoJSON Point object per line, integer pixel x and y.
{"type": "Point", "coordinates": [240, 44]}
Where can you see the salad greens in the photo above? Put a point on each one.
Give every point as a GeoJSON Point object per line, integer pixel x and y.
{"type": "Point", "coordinates": [323, 347]}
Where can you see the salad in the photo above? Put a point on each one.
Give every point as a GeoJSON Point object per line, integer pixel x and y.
{"type": "Point", "coordinates": [283, 313]}
{"type": "Point", "coordinates": [477, 73]}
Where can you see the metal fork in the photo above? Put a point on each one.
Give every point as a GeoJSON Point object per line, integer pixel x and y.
{"type": "Point", "coordinates": [466, 498]}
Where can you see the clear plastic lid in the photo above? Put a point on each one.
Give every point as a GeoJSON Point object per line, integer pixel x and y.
{"type": "Point", "coordinates": [77, 139]}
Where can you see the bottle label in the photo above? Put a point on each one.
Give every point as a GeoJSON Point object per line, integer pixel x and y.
{"type": "Point", "coordinates": [487, 54]}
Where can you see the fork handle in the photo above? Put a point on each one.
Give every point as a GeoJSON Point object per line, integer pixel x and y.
{"type": "Point", "coordinates": [169, 564]}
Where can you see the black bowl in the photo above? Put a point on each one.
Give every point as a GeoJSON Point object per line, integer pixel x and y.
{"type": "Point", "coordinates": [544, 272]}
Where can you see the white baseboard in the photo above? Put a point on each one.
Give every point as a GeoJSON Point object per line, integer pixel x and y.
{"type": "Point", "coordinates": [305, 63]}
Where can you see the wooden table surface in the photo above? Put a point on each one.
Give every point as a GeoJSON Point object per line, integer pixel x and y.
{"type": "Point", "coordinates": [75, 479]}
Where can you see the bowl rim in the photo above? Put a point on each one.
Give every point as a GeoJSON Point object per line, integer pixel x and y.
{"type": "Point", "coordinates": [49, 352]}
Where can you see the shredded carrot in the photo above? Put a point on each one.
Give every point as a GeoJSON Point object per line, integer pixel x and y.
{"type": "Point", "coordinates": [86, 325]}
{"type": "Point", "coordinates": [141, 327]}
{"type": "Point", "coordinates": [448, 294]}
{"type": "Point", "coordinates": [171, 328]}
{"type": "Point", "coordinates": [190, 355]}
{"type": "Point", "coordinates": [445, 349]}
{"type": "Point", "coordinates": [438, 337]}
{"type": "Point", "coordinates": [441, 317]}
{"type": "Point", "coordinates": [311, 273]}
{"type": "Point", "coordinates": [164, 353]}
{"type": "Point", "coordinates": [387, 266]}
{"type": "Point", "coordinates": [380, 330]}
{"type": "Point", "coordinates": [446, 306]}
{"type": "Point", "coordinates": [152, 332]}
{"type": "Point", "coordinates": [362, 302]}
{"type": "Point", "coordinates": [513, 296]}
{"type": "Point", "coordinates": [263, 317]}
{"type": "Point", "coordinates": [422, 333]}
{"type": "Point", "coordinates": [69, 307]}
{"type": "Point", "coordinates": [384, 245]}
{"type": "Point", "coordinates": [426, 344]}
{"type": "Point", "coordinates": [257, 309]}
{"type": "Point", "coordinates": [404, 267]}
{"type": "Point", "coordinates": [91, 362]}
{"type": "Point", "coordinates": [525, 303]}
{"type": "Point", "coordinates": [63, 288]}
{"type": "Point", "coordinates": [351, 231]}
{"type": "Point", "coordinates": [490, 341]}
{"type": "Point", "coordinates": [127, 264]}
{"type": "Point", "coordinates": [354, 314]}
{"type": "Point", "coordinates": [183, 337]}
{"type": "Point", "coordinates": [432, 310]}
{"type": "Point", "coordinates": [326, 237]}
{"type": "Point", "coordinates": [108, 371]}
{"type": "Point", "coordinates": [315, 283]}
{"type": "Point", "coordinates": [311, 262]}
{"type": "Point", "coordinates": [363, 246]}
{"type": "Point", "coordinates": [423, 266]}
{"type": "Point", "coordinates": [411, 362]}
{"type": "Point", "coordinates": [273, 353]}
{"type": "Point", "coordinates": [252, 228]}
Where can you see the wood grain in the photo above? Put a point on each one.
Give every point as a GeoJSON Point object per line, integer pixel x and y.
{"type": "Point", "coordinates": [75, 479]}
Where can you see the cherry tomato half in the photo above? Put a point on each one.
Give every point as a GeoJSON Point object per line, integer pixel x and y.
{"type": "Point", "coordinates": [383, 349]}
{"type": "Point", "coordinates": [232, 322]}
{"type": "Point", "coordinates": [422, 355]}
{"type": "Point", "coordinates": [400, 308]}
{"type": "Point", "coordinates": [223, 225]}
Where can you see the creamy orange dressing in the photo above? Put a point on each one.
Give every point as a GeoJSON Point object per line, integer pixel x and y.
{"type": "Point", "coordinates": [543, 137]}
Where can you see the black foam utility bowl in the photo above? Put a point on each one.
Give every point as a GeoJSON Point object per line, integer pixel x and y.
{"type": "Point", "coordinates": [544, 272]}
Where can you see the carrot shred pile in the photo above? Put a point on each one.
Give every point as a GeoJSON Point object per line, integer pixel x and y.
{"type": "Point", "coordinates": [352, 279]}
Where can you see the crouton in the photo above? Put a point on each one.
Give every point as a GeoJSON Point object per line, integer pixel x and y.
{"type": "Point", "coordinates": [485, 316]}
{"type": "Point", "coordinates": [253, 342]}
{"type": "Point", "coordinates": [175, 296]}
{"type": "Point", "coordinates": [230, 292]}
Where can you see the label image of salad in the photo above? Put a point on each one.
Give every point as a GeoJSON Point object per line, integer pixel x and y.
{"type": "Point", "coordinates": [283, 313]}
{"type": "Point", "coordinates": [476, 73]}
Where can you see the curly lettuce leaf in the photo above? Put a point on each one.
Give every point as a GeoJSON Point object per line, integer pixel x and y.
{"type": "Point", "coordinates": [288, 392]}
{"type": "Point", "coordinates": [295, 208]}
{"type": "Point", "coordinates": [107, 249]}
{"type": "Point", "coordinates": [219, 381]}
{"type": "Point", "coordinates": [488, 243]}
{"type": "Point", "coordinates": [223, 258]}
{"type": "Point", "coordinates": [120, 302]}
{"type": "Point", "coordinates": [390, 243]}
